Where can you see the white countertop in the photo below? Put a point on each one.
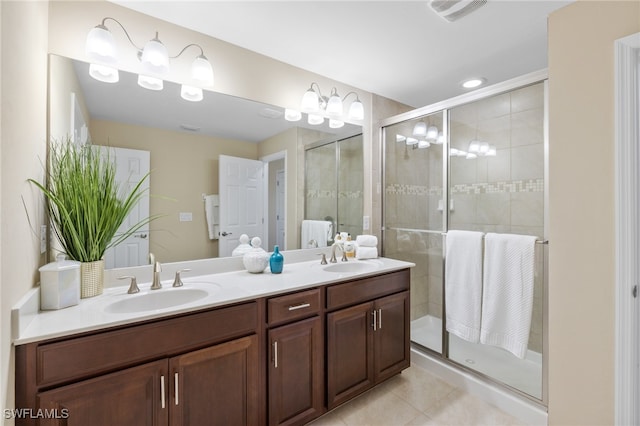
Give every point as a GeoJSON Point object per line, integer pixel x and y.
{"type": "Point", "coordinates": [222, 288]}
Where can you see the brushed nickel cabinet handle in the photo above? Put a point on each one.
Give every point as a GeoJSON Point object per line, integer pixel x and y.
{"type": "Point", "coordinates": [375, 321]}
{"type": "Point", "coordinates": [380, 319]}
{"type": "Point", "coordinates": [275, 354]}
{"type": "Point", "coordinates": [300, 306]}
{"type": "Point", "coordinates": [162, 391]}
{"type": "Point", "coordinates": [175, 381]}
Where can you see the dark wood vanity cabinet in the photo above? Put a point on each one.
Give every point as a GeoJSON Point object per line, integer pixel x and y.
{"type": "Point", "coordinates": [296, 358]}
{"type": "Point", "coordinates": [366, 342]}
{"type": "Point", "coordinates": [282, 360]}
{"type": "Point", "coordinates": [201, 368]}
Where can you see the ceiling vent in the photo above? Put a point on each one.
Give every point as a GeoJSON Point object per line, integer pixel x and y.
{"type": "Point", "coordinates": [452, 10]}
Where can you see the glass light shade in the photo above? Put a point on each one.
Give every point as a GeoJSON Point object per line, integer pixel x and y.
{"type": "Point", "coordinates": [315, 119]}
{"type": "Point", "coordinates": [440, 139]}
{"type": "Point", "coordinates": [155, 58]}
{"type": "Point", "coordinates": [484, 148]}
{"type": "Point", "coordinates": [151, 83]}
{"type": "Point", "coordinates": [471, 156]}
{"type": "Point", "coordinates": [201, 71]}
{"type": "Point", "coordinates": [104, 73]}
{"type": "Point", "coordinates": [100, 46]}
{"type": "Point", "coordinates": [334, 106]}
{"type": "Point", "coordinates": [191, 93]}
{"type": "Point", "coordinates": [335, 124]}
{"type": "Point", "coordinates": [461, 153]}
{"type": "Point", "coordinates": [401, 138]}
{"type": "Point", "coordinates": [292, 115]}
{"type": "Point", "coordinates": [420, 129]}
{"type": "Point", "coordinates": [453, 152]}
{"type": "Point", "coordinates": [423, 144]}
{"type": "Point", "coordinates": [310, 101]}
{"type": "Point", "coordinates": [432, 133]}
{"type": "Point", "coordinates": [474, 146]}
{"type": "Point", "coordinates": [492, 151]}
{"type": "Point", "coordinates": [411, 141]}
{"type": "Point", "coordinates": [356, 110]}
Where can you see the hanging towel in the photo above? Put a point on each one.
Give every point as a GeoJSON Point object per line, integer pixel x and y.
{"type": "Point", "coordinates": [318, 230]}
{"type": "Point", "coordinates": [367, 241]}
{"type": "Point", "coordinates": [507, 300]}
{"type": "Point", "coordinates": [211, 206]}
{"type": "Point", "coordinates": [463, 284]}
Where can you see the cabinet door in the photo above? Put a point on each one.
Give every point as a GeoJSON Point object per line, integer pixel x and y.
{"type": "Point", "coordinates": [129, 397]}
{"type": "Point", "coordinates": [296, 372]}
{"type": "Point", "coordinates": [349, 353]}
{"type": "Point", "coordinates": [392, 347]}
{"type": "Point", "coordinates": [218, 385]}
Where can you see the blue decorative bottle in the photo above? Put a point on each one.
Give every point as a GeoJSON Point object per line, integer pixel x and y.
{"type": "Point", "coordinates": [276, 261]}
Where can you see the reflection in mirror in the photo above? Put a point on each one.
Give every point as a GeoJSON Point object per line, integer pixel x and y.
{"type": "Point", "coordinates": [185, 140]}
{"type": "Point", "coordinates": [333, 191]}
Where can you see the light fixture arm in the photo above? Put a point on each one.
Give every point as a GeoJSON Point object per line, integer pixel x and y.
{"type": "Point", "coordinates": [139, 49]}
{"type": "Point", "coordinates": [186, 47]}
{"type": "Point", "coordinates": [351, 93]}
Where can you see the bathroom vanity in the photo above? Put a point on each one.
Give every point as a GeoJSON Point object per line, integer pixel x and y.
{"type": "Point", "coordinates": [278, 349]}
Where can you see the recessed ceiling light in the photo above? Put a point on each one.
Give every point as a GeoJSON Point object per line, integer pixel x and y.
{"type": "Point", "coordinates": [473, 83]}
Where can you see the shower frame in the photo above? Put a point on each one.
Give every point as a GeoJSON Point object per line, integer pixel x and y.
{"type": "Point", "coordinates": [444, 107]}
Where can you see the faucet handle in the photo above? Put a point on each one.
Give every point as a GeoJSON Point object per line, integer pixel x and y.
{"type": "Point", "coordinates": [323, 261]}
{"type": "Point", "coordinates": [177, 282]}
{"type": "Point", "coordinates": [133, 287]}
{"type": "Point", "coordinates": [344, 256]}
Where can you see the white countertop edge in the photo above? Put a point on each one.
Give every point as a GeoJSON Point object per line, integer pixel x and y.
{"type": "Point", "coordinates": [31, 325]}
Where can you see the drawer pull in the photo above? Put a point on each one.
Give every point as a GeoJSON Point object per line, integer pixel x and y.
{"type": "Point", "coordinates": [300, 306]}
{"type": "Point", "coordinates": [162, 390]}
{"type": "Point", "coordinates": [375, 321]}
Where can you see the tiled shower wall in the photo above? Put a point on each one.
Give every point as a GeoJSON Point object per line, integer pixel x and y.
{"type": "Point", "coordinates": [504, 193]}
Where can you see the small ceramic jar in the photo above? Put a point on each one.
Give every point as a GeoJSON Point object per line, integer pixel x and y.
{"type": "Point", "coordinates": [256, 259]}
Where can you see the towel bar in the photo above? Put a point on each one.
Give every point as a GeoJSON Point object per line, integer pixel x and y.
{"type": "Point", "coordinates": [545, 242]}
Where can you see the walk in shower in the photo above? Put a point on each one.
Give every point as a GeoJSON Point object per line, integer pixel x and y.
{"type": "Point", "coordinates": [334, 184]}
{"type": "Point", "coordinates": [473, 163]}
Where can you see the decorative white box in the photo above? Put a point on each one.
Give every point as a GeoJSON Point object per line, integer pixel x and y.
{"type": "Point", "coordinates": [59, 284]}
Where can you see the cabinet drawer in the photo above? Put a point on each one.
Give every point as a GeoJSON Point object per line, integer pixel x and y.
{"type": "Point", "coordinates": [341, 295]}
{"type": "Point", "coordinates": [293, 306]}
{"type": "Point", "coordinates": [103, 352]}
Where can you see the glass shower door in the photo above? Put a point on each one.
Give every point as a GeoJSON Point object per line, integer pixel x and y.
{"type": "Point", "coordinates": [413, 217]}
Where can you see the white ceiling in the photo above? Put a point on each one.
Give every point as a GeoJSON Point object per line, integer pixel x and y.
{"type": "Point", "coordinates": [398, 49]}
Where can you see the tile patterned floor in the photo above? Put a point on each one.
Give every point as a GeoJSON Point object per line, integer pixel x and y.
{"type": "Point", "coordinates": [415, 398]}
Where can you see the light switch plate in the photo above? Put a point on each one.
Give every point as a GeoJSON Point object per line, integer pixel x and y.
{"type": "Point", "coordinates": [186, 216]}
{"type": "Point", "coordinates": [365, 223]}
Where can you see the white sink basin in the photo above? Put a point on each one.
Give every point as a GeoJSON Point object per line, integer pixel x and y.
{"type": "Point", "coordinates": [156, 299]}
{"type": "Point", "coordinates": [355, 266]}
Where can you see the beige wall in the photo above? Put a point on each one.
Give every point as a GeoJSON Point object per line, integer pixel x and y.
{"type": "Point", "coordinates": [183, 167]}
{"type": "Point", "coordinates": [581, 207]}
{"type": "Point", "coordinates": [22, 146]}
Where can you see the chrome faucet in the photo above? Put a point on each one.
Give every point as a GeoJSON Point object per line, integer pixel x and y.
{"type": "Point", "coordinates": [333, 252]}
{"type": "Point", "coordinates": [157, 268]}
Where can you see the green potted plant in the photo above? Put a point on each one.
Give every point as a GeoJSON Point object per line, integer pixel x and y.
{"type": "Point", "coordinates": [86, 207]}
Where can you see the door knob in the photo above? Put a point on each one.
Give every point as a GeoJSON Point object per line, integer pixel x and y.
{"type": "Point", "coordinates": [143, 236]}
{"type": "Point", "coordinates": [224, 234]}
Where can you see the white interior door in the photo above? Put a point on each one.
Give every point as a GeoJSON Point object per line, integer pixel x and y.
{"type": "Point", "coordinates": [131, 166]}
{"type": "Point", "coordinates": [241, 201]}
{"type": "Point", "coordinates": [280, 210]}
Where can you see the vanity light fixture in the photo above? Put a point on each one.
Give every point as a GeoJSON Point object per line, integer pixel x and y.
{"type": "Point", "coordinates": [420, 129]}
{"type": "Point", "coordinates": [314, 102]}
{"type": "Point", "coordinates": [292, 115]}
{"type": "Point", "coordinates": [481, 149]}
{"type": "Point", "coordinates": [100, 48]}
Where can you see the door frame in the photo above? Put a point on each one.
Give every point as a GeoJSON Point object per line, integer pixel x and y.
{"type": "Point", "coordinates": [266, 160]}
{"type": "Point", "coordinates": [627, 229]}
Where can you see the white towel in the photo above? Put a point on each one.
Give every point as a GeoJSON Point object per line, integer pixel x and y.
{"type": "Point", "coordinates": [367, 241]}
{"type": "Point", "coordinates": [507, 300]}
{"type": "Point", "coordinates": [211, 206]}
{"type": "Point", "coordinates": [318, 230]}
{"type": "Point", "coordinates": [463, 284]}
{"type": "Point", "coordinates": [366, 252]}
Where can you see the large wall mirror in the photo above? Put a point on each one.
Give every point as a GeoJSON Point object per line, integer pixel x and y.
{"type": "Point", "coordinates": [185, 140]}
